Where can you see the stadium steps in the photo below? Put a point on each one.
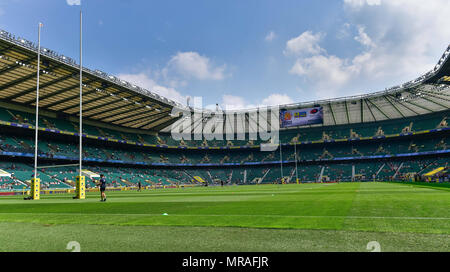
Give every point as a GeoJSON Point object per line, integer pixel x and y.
{"type": "Point", "coordinates": [292, 174]}
{"type": "Point", "coordinates": [398, 170]}
{"type": "Point", "coordinates": [128, 183]}
{"type": "Point", "coordinates": [435, 171]}
{"type": "Point", "coordinates": [191, 177]}
{"type": "Point", "coordinates": [48, 124]}
{"type": "Point", "coordinates": [425, 168]}
{"type": "Point", "coordinates": [263, 177]}
{"type": "Point", "coordinates": [199, 179]}
{"type": "Point", "coordinates": [68, 182]}
{"type": "Point", "coordinates": [209, 175]}
{"type": "Point", "coordinates": [124, 137]}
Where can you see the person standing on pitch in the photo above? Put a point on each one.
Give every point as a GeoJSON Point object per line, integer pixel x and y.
{"type": "Point", "coordinates": [139, 186]}
{"type": "Point", "coordinates": [102, 185]}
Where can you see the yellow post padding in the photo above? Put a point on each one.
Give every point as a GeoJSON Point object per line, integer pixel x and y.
{"type": "Point", "coordinates": [35, 190]}
{"type": "Point", "coordinates": [80, 191]}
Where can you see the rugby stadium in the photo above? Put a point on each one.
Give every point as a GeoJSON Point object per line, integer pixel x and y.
{"type": "Point", "coordinates": [373, 168]}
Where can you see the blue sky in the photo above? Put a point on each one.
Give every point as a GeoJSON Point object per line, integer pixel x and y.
{"type": "Point", "coordinates": [244, 53]}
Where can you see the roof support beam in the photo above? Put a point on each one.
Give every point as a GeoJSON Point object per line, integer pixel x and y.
{"type": "Point", "coordinates": [140, 119]}
{"type": "Point", "coordinates": [393, 105]}
{"type": "Point", "coordinates": [70, 97]}
{"type": "Point", "coordinates": [438, 96]}
{"type": "Point", "coordinates": [133, 117]}
{"type": "Point", "coordinates": [6, 49]}
{"type": "Point", "coordinates": [95, 99]}
{"type": "Point", "coordinates": [23, 79]}
{"type": "Point", "coordinates": [370, 110]}
{"type": "Point", "coordinates": [112, 109]}
{"type": "Point", "coordinates": [262, 119]}
{"type": "Point", "coordinates": [405, 106]}
{"type": "Point", "coordinates": [85, 110]}
{"type": "Point", "coordinates": [25, 92]}
{"type": "Point", "coordinates": [167, 124]}
{"type": "Point", "coordinates": [251, 122]}
{"type": "Point", "coordinates": [346, 112]}
{"type": "Point", "coordinates": [197, 122]}
{"type": "Point", "coordinates": [362, 110]}
{"type": "Point", "coordinates": [120, 113]}
{"type": "Point", "coordinates": [145, 121]}
{"type": "Point", "coordinates": [419, 106]}
{"type": "Point", "coordinates": [432, 101]}
{"type": "Point", "coordinates": [177, 125]}
{"type": "Point", "coordinates": [437, 93]}
{"type": "Point", "coordinates": [117, 114]}
{"type": "Point", "coordinates": [155, 122]}
{"type": "Point", "coordinates": [382, 112]}
{"type": "Point", "coordinates": [332, 113]}
{"type": "Point", "coordinates": [160, 121]}
{"type": "Point", "coordinates": [14, 66]}
{"type": "Point", "coordinates": [65, 89]}
{"type": "Point", "coordinates": [17, 81]}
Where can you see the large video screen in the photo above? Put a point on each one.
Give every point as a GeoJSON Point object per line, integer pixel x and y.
{"type": "Point", "coordinates": [301, 117]}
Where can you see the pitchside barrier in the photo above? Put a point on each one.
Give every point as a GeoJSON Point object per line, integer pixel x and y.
{"type": "Point", "coordinates": [80, 189]}
{"type": "Point", "coordinates": [35, 188]}
{"type": "Point", "coordinates": [26, 191]}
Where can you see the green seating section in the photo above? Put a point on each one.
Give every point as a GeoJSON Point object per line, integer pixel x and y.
{"type": "Point", "coordinates": [9, 184]}
{"type": "Point", "coordinates": [390, 127]}
{"type": "Point", "coordinates": [63, 177]}
{"type": "Point", "coordinates": [314, 160]}
{"type": "Point", "coordinates": [22, 173]}
{"type": "Point", "coordinates": [97, 150]}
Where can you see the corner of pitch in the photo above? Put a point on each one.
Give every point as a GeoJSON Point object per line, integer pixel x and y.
{"type": "Point", "coordinates": [256, 262]}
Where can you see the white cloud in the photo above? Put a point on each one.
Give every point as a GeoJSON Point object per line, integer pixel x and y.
{"type": "Point", "coordinates": [193, 65]}
{"type": "Point", "coordinates": [143, 80]}
{"type": "Point", "coordinates": [73, 2]}
{"type": "Point", "coordinates": [363, 38]}
{"type": "Point", "coordinates": [328, 73]}
{"type": "Point", "coordinates": [179, 70]}
{"type": "Point", "coordinates": [277, 99]}
{"type": "Point", "coordinates": [305, 43]}
{"type": "Point", "coordinates": [320, 67]}
{"type": "Point", "coordinates": [270, 36]}
{"type": "Point", "coordinates": [344, 31]}
{"type": "Point", "coordinates": [360, 3]}
{"type": "Point", "coordinates": [395, 48]}
{"type": "Point", "coordinates": [233, 102]}
{"type": "Point", "coordinates": [400, 47]}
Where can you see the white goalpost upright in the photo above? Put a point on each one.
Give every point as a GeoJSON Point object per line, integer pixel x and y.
{"type": "Point", "coordinates": [296, 160]}
{"type": "Point", "coordinates": [281, 165]}
{"type": "Point", "coordinates": [35, 188]}
{"type": "Point", "coordinates": [80, 187]}
{"type": "Point", "coordinates": [80, 180]}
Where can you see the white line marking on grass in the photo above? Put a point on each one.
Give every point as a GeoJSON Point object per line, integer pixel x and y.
{"type": "Point", "coordinates": [245, 215]}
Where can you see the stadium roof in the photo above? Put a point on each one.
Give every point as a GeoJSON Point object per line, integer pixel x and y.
{"type": "Point", "coordinates": [105, 98]}
{"type": "Point", "coordinates": [428, 93]}
{"type": "Point", "coordinates": [112, 100]}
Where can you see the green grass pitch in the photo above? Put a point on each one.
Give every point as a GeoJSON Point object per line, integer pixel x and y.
{"type": "Point", "coordinates": [306, 217]}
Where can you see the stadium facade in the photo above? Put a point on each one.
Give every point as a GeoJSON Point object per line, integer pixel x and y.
{"type": "Point", "coordinates": [400, 133]}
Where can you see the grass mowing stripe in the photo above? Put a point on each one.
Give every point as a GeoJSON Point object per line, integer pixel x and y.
{"type": "Point", "coordinates": [28, 237]}
{"type": "Point", "coordinates": [385, 208]}
{"type": "Point", "coordinates": [355, 193]}
{"type": "Point", "coordinates": [244, 215]}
